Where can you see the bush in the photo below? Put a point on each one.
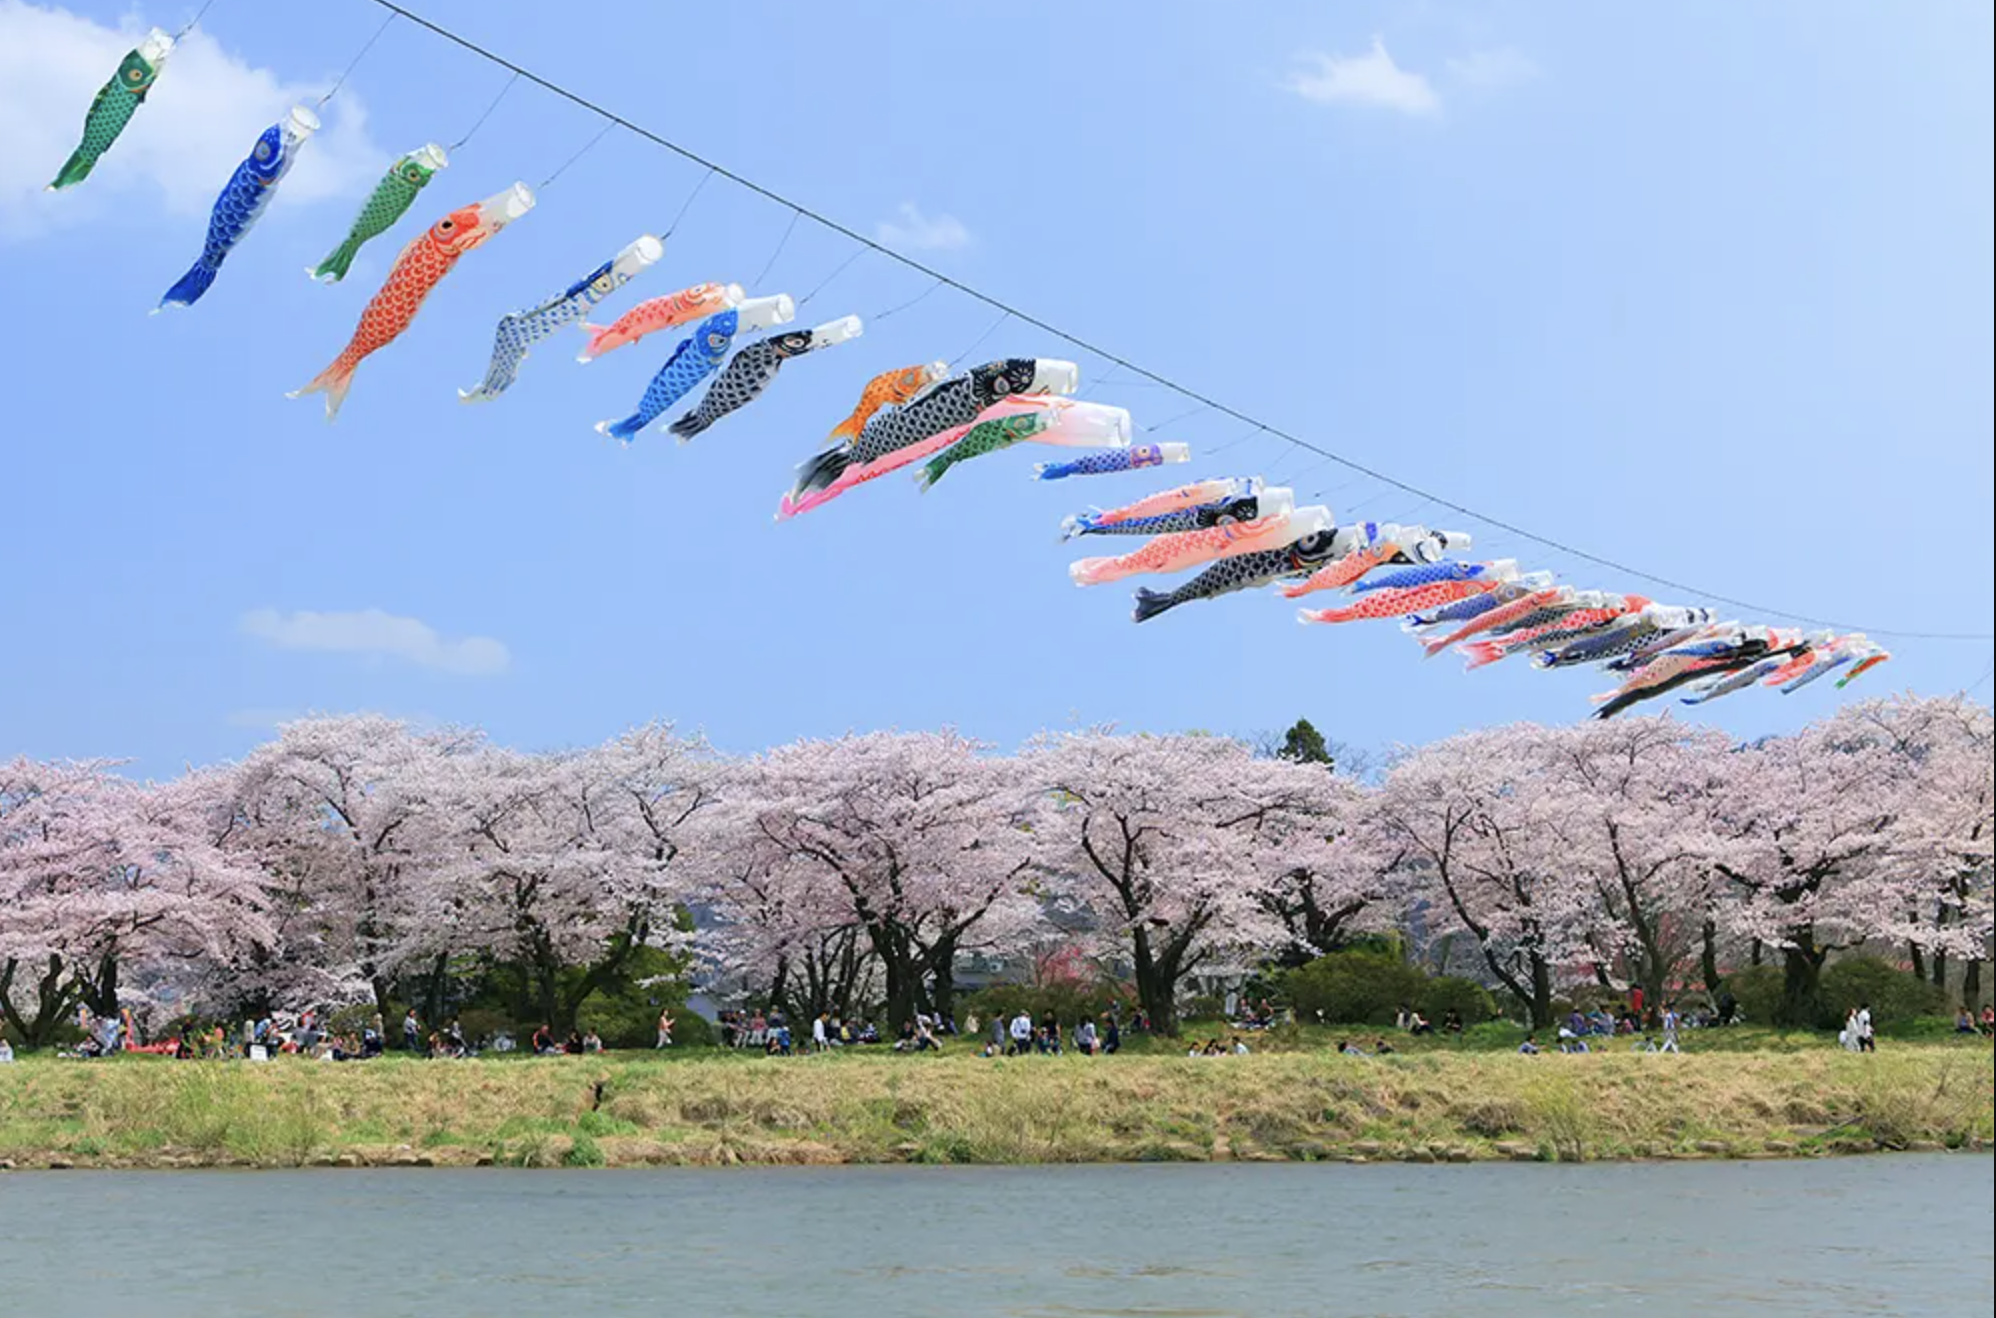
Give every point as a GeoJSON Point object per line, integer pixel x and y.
{"type": "Point", "coordinates": [633, 1023]}
{"type": "Point", "coordinates": [1354, 988]}
{"type": "Point", "coordinates": [1894, 994]}
{"type": "Point", "coordinates": [1446, 993]}
{"type": "Point", "coordinates": [1758, 990]}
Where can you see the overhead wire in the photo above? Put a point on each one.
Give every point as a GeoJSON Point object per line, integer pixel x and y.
{"type": "Point", "coordinates": [868, 244]}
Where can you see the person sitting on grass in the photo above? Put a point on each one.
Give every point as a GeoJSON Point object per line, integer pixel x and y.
{"type": "Point", "coordinates": [592, 1042]}
{"type": "Point", "coordinates": [542, 1042]}
{"type": "Point", "coordinates": [1113, 1040]}
{"type": "Point", "coordinates": [1989, 1020]}
{"type": "Point", "coordinates": [1085, 1038]}
{"type": "Point", "coordinates": [1350, 1049]}
{"type": "Point", "coordinates": [1452, 1021]}
{"type": "Point", "coordinates": [6, 1050]}
{"type": "Point", "coordinates": [1240, 1048]}
{"type": "Point", "coordinates": [1530, 1047]}
{"type": "Point", "coordinates": [1418, 1024]}
{"type": "Point", "coordinates": [1964, 1023]}
{"type": "Point", "coordinates": [1381, 1047]}
{"type": "Point", "coordinates": [1600, 1022]}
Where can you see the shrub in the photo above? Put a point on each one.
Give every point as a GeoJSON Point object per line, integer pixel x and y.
{"type": "Point", "coordinates": [1353, 988]}
{"type": "Point", "coordinates": [1894, 994]}
{"type": "Point", "coordinates": [1758, 990]}
{"type": "Point", "coordinates": [1446, 993]}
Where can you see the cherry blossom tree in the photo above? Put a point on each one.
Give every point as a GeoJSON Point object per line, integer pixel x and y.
{"type": "Point", "coordinates": [1481, 836]}
{"type": "Point", "coordinates": [1155, 837]}
{"type": "Point", "coordinates": [354, 815]}
{"type": "Point", "coordinates": [915, 839]}
{"type": "Point", "coordinates": [1631, 804]}
{"type": "Point", "coordinates": [571, 858]}
{"type": "Point", "coordinates": [100, 876]}
{"type": "Point", "coordinates": [1826, 849]}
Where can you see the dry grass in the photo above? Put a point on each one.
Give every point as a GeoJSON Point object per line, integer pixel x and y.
{"type": "Point", "coordinates": [718, 1110]}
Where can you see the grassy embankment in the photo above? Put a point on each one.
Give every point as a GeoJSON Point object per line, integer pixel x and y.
{"type": "Point", "coordinates": [705, 1109]}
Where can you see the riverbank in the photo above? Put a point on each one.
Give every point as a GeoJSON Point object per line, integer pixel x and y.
{"type": "Point", "coordinates": [716, 1109]}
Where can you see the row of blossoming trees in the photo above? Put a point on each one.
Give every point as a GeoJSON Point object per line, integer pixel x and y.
{"type": "Point", "coordinates": [357, 859]}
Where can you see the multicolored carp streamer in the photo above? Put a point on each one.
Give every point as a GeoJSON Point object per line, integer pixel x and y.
{"type": "Point", "coordinates": [422, 264]}
{"type": "Point", "coordinates": [523, 329]}
{"type": "Point", "coordinates": [1134, 458]}
{"type": "Point", "coordinates": [754, 369]}
{"type": "Point", "coordinates": [668, 312]}
{"type": "Point", "coordinates": [698, 356]}
{"type": "Point", "coordinates": [1179, 550]}
{"type": "Point", "coordinates": [113, 107]}
{"type": "Point", "coordinates": [1166, 503]}
{"type": "Point", "coordinates": [1242, 573]}
{"type": "Point", "coordinates": [388, 203]}
{"type": "Point", "coordinates": [887, 389]}
{"type": "Point", "coordinates": [1365, 546]}
{"type": "Point", "coordinates": [1399, 602]}
{"type": "Point", "coordinates": [244, 199]}
{"type": "Point", "coordinates": [1055, 421]}
{"type": "Point", "coordinates": [890, 440]}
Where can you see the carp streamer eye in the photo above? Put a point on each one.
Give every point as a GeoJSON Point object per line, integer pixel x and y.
{"type": "Point", "coordinates": [446, 225]}
{"type": "Point", "coordinates": [263, 150]}
{"type": "Point", "coordinates": [137, 75]}
{"type": "Point", "coordinates": [412, 174]}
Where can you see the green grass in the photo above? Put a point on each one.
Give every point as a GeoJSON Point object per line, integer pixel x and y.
{"type": "Point", "coordinates": [1734, 1093]}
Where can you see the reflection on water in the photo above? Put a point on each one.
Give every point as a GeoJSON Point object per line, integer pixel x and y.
{"type": "Point", "coordinates": [1907, 1234]}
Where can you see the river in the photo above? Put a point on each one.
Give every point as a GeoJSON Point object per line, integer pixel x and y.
{"type": "Point", "coordinates": [1901, 1235]}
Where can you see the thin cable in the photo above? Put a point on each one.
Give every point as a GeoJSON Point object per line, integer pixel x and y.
{"type": "Point", "coordinates": [893, 311]}
{"type": "Point", "coordinates": [354, 63]}
{"type": "Point", "coordinates": [1234, 442]}
{"type": "Point", "coordinates": [782, 242]}
{"type": "Point", "coordinates": [1976, 685]}
{"type": "Point", "coordinates": [834, 275]}
{"type": "Point", "coordinates": [198, 14]}
{"type": "Point", "coordinates": [978, 342]}
{"type": "Point", "coordinates": [686, 205]}
{"type": "Point", "coordinates": [1174, 420]}
{"type": "Point", "coordinates": [601, 134]}
{"type": "Point", "coordinates": [1192, 395]}
{"type": "Point", "coordinates": [480, 121]}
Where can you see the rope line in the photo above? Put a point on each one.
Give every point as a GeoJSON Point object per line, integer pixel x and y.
{"type": "Point", "coordinates": [354, 63]}
{"type": "Point", "coordinates": [600, 135]}
{"type": "Point", "coordinates": [480, 121]}
{"type": "Point", "coordinates": [1010, 311]}
{"type": "Point", "coordinates": [781, 243]}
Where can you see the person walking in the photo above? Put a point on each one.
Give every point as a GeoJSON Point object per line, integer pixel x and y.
{"type": "Point", "coordinates": [1022, 1033]}
{"type": "Point", "coordinates": [412, 1032]}
{"type": "Point", "coordinates": [818, 1041]}
{"type": "Point", "coordinates": [664, 1028]}
{"type": "Point", "coordinates": [997, 1032]}
{"type": "Point", "coordinates": [1670, 1019]}
{"type": "Point", "coordinates": [1866, 1042]}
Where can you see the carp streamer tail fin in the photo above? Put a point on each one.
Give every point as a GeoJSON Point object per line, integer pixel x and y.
{"type": "Point", "coordinates": [334, 268]}
{"type": "Point", "coordinates": [190, 287]}
{"type": "Point", "coordinates": [1150, 603]}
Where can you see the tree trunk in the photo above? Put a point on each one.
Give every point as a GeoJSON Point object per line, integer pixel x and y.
{"type": "Point", "coordinates": [1541, 999]}
{"type": "Point", "coordinates": [1801, 1004]}
{"type": "Point", "coordinates": [53, 999]}
{"type": "Point", "coordinates": [1708, 957]}
{"type": "Point", "coordinates": [1919, 961]}
{"type": "Point", "coordinates": [1156, 989]}
{"type": "Point", "coordinates": [1971, 982]}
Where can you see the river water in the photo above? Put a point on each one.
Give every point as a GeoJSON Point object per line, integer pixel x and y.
{"type": "Point", "coordinates": [1877, 1235]}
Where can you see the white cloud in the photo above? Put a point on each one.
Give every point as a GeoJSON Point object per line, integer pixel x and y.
{"type": "Point", "coordinates": [376, 634]}
{"type": "Point", "coordinates": [1493, 70]}
{"type": "Point", "coordinates": [915, 231]}
{"type": "Point", "coordinates": [1371, 79]}
{"type": "Point", "coordinates": [198, 122]}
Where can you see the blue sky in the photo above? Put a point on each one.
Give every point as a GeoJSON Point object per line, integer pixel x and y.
{"type": "Point", "coordinates": [1703, 289]}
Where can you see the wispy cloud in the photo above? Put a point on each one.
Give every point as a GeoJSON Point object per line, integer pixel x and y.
{"type": "Point", "coordinates": [1371, 80]}
{"type": "Point", "coordinates": [916, 231]}
{"type": "Point", "coordinates": [1493, 70]}
{"type": "Point", "coordinates": [375, 634]}
{"type": "Point", "coordinates": [198, 122]}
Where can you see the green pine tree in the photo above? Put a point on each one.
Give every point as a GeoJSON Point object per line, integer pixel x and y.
{"type": "Point", "coordinates": [1305, 745]}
